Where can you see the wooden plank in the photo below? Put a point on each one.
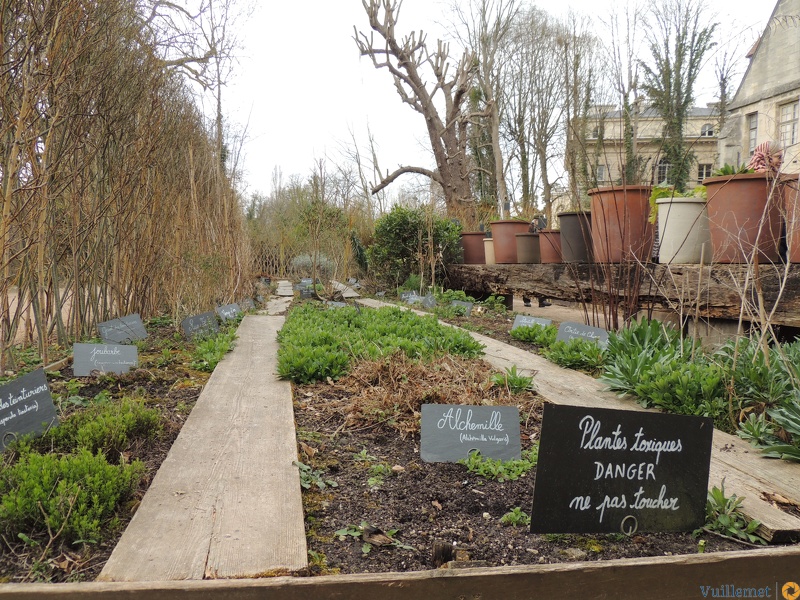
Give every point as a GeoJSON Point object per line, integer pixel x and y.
{"type": "Point", "coordinates": [746, 473]}
{"type": "Point", "coordinates": [226, 501]}
{"type": "Point", "coordinates": [667, 286]}
{"type": "Point", "coordinates": [664, 577]}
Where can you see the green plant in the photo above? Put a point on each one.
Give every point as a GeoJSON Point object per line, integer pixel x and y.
{"type": "Point", "coordinates": [668, 191]}
{"type": "Point", "coordinates": [787, 418]}
{"type": "Point", "coordinates": [73, 496]}
{"type": "Point", "coordinates": [316, 343]}
{"type": "Point", "coordinates": [364, 456]}
{"type": "Point", "coordinates": [543, 336]}
{"type": "Point", "coordinates": [509, 470]}
{"type": "Point", "coordinates": [109, 428]}
{"type": "Point", "coordinates": [377, 474]}
{"type": "Point", "coordinates": [727, 169]}
{"type": "Point", "coordinates": [577, 354]}
{"type": "Point", "coordinates": [516, 517]}
{"type": "Point", "coordinates": [514, 382]}
{"type": "Point", "coordinates": [310, 476]}
{"type": "Point", "coordinates": [208, 351]}
{"type": "Point", "coordinates": [494, 303]}
{"type": "Point", "coordinates": [358, 531]}
{"type": "Point", "coordinates": [757, 430]}
{"type": "Point", "coordinates": [723, 515]}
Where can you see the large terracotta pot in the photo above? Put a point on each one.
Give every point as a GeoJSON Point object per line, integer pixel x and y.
{"type": "Point", "coordinates": [472, 244]}
{"type": "Point", "coordinates": [620, 229]}
{"type": "Point", "coordinates": [791, 198]}
{"type": "Point", "coordinates": [683, 231]}
{"type": "Point", "coordinates": [550, 245]}
{"type": "Point", "coordinates": [505, 240]}
{"type": "Point", "coordinates": [528, 248]}
{"type": "Point", "coordinates": [488, 250]}
{"type": "Point", "coordinates": [576, 236]}
{"type": "Point", "coordinates": [744, 214]}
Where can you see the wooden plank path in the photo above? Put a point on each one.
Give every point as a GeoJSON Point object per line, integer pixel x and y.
{"type": "Point", "coordinates": [745, 471]}
{"type": "Point", "coordinates": [226, 501]}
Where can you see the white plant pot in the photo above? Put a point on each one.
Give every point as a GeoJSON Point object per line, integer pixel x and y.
{"type": "Point", "coordinates": [683, 232]}
{"type": "Point", "coordinates": [488, 249]}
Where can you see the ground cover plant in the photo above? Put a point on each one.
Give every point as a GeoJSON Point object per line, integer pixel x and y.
{"type": "Point", "coordinates": [66, 496]}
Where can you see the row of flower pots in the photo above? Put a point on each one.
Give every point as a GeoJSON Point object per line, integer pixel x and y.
{"type": "Point", "coordinates": [743, 212]}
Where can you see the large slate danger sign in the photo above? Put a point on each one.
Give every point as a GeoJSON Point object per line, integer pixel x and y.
{"type": "Point", "coordinates": [603, 470]}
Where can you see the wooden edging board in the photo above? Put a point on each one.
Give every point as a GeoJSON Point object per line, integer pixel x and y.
{"type": "Point", "coordinates": [663, 577]}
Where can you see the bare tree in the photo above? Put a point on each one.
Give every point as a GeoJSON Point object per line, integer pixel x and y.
{"type": "Point", "coordinates": [487, 24]}
{"type": "Point", "coordinates": [411, 64]}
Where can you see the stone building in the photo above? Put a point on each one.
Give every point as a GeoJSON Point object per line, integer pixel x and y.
{"type": "Point", "coordinates": [605, 150]}
{"type": "Point", "coordinates": [766, 104]}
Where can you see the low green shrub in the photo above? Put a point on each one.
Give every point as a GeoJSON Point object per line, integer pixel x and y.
{"type": "Point", "coordinates": [538, 335]}
{"type": "Point", "coordinates": [508, 470]}
{"type": "Point", "coordinates": [209, 350]}
{"type": "Point", "coordinates": [73, 497]}
{"type": "Point", "coordinates": [578, 354]}
{"type": "Point", "coordinates": [317, 343]}
{"type": "Point", "coordinates": [108, 428]}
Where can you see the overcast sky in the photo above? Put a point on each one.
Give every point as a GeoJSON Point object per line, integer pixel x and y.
{"type": "Point", "coordinates": [301, 88]}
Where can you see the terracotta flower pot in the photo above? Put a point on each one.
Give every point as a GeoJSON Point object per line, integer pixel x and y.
{"type": "Point", "coordinates": [744, 216]}
{"type": "Point", "coordinates": [576, 236]}
{"type": "Point", "coordinates": [791, 199]}
{"type": "Point", "coordinates": [505, 241]}
{"type": "Point", "coordinates": [550, 245]}
{"type": "Point", "coordinates": [472, 244]}
{"type": "Point", "coordinates": [528, 248]}
{"type": "Point", "coordinates": [620, 230]}
{"type": "Point", "coordinates": [683, 231]}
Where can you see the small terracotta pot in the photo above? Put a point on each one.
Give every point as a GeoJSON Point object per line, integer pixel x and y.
{"type": "Point", "coordinates": [620, 229]}
{"type": "Point", "coordinates": [472, 244]}
{"type": "Point", "coordinates": [550, 245]}
{"type": "Point", "coordinates": [505, 241]}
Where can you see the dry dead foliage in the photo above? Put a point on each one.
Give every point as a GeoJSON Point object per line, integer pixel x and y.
{"type": "Point", "coordinates": [391, 391]}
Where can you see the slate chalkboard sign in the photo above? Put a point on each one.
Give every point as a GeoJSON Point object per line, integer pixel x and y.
{"type": "Point", "coordinates": [529, 321]}
{"type": "Point", "coordinates": [332, 304]}
{"type": "Point", "coordinates": [307, 292]}
{"type": "Point", "coordinates": [449, 432]}
{"type": "Point", "coordinates": [380, 294]}
{"type": "Point", "coordinates": [429, 301]}
{"type": "Point", "coordinates": [603, 470]}
{"type": "Point", "coordinates": [569, 331]}
{"type": "Point", "coordinates": [247, 304]}
{"type": "Point", "coordinates": [228, 312]}
{"type": "Point", "coordinates": [123, 330]}
{"type": "Point", "coordinates": [405, 296]}
{"type": "Point", "coordinates": [466, 305]}
{"type": "Point", "coordinates": [25, 407]}
{"type": "Point", "coordinates": [105, 358]}
{"type": "Point", "coordinates": [202, 324]}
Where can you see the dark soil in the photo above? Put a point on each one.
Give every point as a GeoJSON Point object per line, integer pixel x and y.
{"type": "Point", "coordinates": [431, 505]}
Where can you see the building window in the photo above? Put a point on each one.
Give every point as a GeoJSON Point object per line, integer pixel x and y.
{"type": "Point", "coordinates": [787, 124]}
{"type": "Point", "coordinates": [707, 130]}
{"type": "Point", "coordinates": [662, 171]}
{"type": "Point", "coordinates": [752, 125]}
{"type": "Point", "coordinates": [703, 171]}
{"type": "Point", "coordinates": [601, 173]}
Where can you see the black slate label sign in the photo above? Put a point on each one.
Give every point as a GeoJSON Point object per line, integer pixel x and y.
{"type": "Point", "coordinates": [105, 358]}
{"type": "Point", "coordinates": [306, 292]}
{"type": "Point", "coordinates": [568, 331]}
{"type": "Point", "coordinates": [25, 407]}
{"type": "Point", "coordinates": [123, 330]}
{"type": "Point", "coordinates": [202, 324]}
{"type": "Point", "coordinates": [603, 470]}
{"type": "Point", "coordinates": [228, 312]}
{"type": "Point", "coordinates": [247, 304]}
{"type": "Point", "coordinates": [466, 305]}
{"type": "Point", "coordinates": [429, 301]}
{"type": "Point", "coordinates": [449, 432]}
{"type": "Point", "coordinates": [529, 321]}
